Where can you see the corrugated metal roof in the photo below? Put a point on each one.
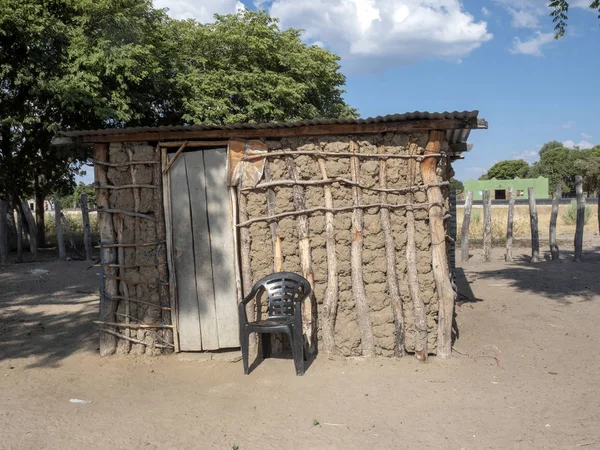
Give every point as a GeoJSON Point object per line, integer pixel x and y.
{"type": "Point", "coordinates": [459, 135]}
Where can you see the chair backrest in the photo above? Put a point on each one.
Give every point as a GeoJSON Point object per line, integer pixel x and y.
{"type": "Point", "coordinates": [283, 290]}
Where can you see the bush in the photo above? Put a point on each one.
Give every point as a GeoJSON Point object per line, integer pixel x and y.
{"type": "Point", "coordinates": [569, 217]}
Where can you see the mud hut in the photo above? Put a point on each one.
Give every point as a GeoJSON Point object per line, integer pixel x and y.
{"type": "Point", "coordinates": [192, 216]}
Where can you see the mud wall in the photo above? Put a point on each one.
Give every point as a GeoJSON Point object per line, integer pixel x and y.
{"type": "Point", "coordinates": [347, 332]}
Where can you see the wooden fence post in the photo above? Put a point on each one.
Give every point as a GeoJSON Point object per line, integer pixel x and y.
{"type": "Point", "coordinates": [31, 227]}
{"type": "Point", "coordinates": [598, 196]}
{"type": "Point", "coordinates": [87, 234]}
{"type": "Point", "coordinates": [487, 226]}
{"type": "Point", "coordinates": [19, 235]}
{"type": "Point", "coordinates": [580, 219]}
{"type": "Point", "coordinates": [3, 232]}
{"type": "Point", "coordinates": [464, 232]}
{"type": "Point", "coordinates": [553, 218]}
{"type": "Point", "coordinates": [60, 240]}
{"type": "Point", "coordinates": [533, 221]}
{"type": "Point", "coordinates": [508, 257]}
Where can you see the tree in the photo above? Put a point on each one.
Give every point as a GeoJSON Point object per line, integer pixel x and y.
{"type": "Point", "coordinates": [456, 185]}
{"type": "Point", "coordinates": [559, 14]}
{"type": "Point", "coordinates": [558, 165]}
{"type": "Point", "coordinates": [587, 164]}
{"type": "Point", "coordinates": [507, 170]}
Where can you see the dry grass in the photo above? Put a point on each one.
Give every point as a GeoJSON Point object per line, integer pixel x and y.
{"type": "Point", "coordinates": [521, 226]}
{"type": "Point", "coordinates": [75, 223]}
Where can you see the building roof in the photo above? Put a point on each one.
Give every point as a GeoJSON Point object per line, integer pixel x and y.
{"type": "Point", "coordinates": [456, 124]}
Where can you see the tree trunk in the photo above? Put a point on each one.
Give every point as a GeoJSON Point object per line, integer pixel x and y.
{"type": "Point", "coordinates": [464, 232]}
{"type": "Point", "coordinates": [60, 240]}
{"type": "Point", "coordinates": [487, 226]}
{"type": "Point", "coordinates": [533, 220]}
{"type": "Point", "coordinates": [19, 233]}
{"type": "Point", "coordinates": [358, 286]}
{"type": "Point", "coordinates": [553, 218]}
{"type": "Point", "coordinates": [87, 233]}
{"type": "Point", "coordinates": [3, 232]}
{"type": "Point", "coordinates": [508, 257]}
{"type": "Point", "coordinates": [439, 258]}
{"type": "Point", "coordinates": [39, 214]}
{"type": "Point", "coordinates": [580, 219]}
{"type": "Point", "coordinates": [30, 222]}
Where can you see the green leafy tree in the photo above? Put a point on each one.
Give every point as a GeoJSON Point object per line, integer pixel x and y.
{"type": "Point", "coordinates": [557, 163]}
{"type": "Point", "coordinates": [456, 185]}
{"type": "Point", "coordinates": [560, 14]}
{"type": "Point", "coordinates": [587, 164]}
{"type": "Point", "coordinates": [507, 170]}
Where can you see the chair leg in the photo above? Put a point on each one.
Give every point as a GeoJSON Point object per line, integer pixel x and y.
{"type": "Point", "coordinates": [266, 345]}
{"type": "Point", "coordinates": [244, 343]}
{"type": "Point", "coordinates": [297, 351]}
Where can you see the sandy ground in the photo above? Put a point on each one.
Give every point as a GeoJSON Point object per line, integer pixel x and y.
{"type": "Point", "coordinates": [525, 375]}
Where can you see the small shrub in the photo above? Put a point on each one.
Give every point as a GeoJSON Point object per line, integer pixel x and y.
{"type": "Point", "coordinates": [569, 217]}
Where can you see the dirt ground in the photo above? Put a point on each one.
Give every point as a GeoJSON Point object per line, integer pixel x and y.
{"type": "Point", "coordinates": [524, 375]}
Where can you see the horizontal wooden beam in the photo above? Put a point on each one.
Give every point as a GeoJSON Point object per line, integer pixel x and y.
{"type": "Point", "coordinates": [408, 126]}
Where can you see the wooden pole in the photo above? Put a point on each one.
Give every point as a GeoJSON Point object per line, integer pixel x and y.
{"type": "Point", "coordinates": [309, 310]}
{"type": "Point", "coordinates": [553, 218]}
{"type": "Point", "coordinates": [390, 260]}
{"type": "Point", "coordinates": [358, 285]}
{"type": "Point", "coordinates": [580, 219]}
{"type": "Point", "coordinates": [330, 300]}
{"type": "Point", "coordinates": [273, 225]}
{"type": "Point", "coordinates": [19, 235]}
{"type": "Point", "coordinates": [508, 257]}
{"type": "Point", "coordinates": [533, 220]}
{"type": "Point", "coordinates": [246, 269]}
{"type": "Point", "coordinates": [123, 285]}
{"type": "Point", "coordinates": [598, 198]}
{"type": "Point", "coordinates": [60, 240]}
{"type": "Point", "coordinates": [166, 197]}
{"type": "Point", "coordinates": [67, 231]}
{"type": "Point", "coordinates": [487, 226]}
{"type": "Point", "coordinates": [87, 232]}
{"type": "Point", "coordinates": [464, 232]}
{"type": "Point", "coordinates": [31, 228]}
{"type": "Point", "coordinates": [108, 342]}
{"type": "Point", "coordinates": [3, 232]}
{"type": "Point", "coordinates": [441, 272]}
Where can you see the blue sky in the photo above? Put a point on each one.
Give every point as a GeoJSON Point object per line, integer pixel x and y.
{"type": "Point", "coordinates": [497, 56]}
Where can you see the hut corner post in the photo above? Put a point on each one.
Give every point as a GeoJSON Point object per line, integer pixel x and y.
{"type": "Point", "coordinates": [108, 287]}
{"type": "Point", "coordinates": [441, 272]}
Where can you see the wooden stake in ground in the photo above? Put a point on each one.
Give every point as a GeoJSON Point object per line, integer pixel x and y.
{"type": "Point", "coordinates": [330, 300]}
{"type": "Point", "coordinates": [390, 258]}
{"type": "Point", "coordinates": [246, 268]}
{"type": "Point", "coordinates": [19, 236]}
{"type": "Point", "coordinates": [598, 195]}
{"type": "Point", "coordinates": [108, 342]}
{"type": "Point", "coordinates": [464, 232]}
{"type": "Point", "coordinates": [87, 234]}
{"type": "Point", "coordinates": [439, 261]}
{"type": "Point", "coordinates": [358, 286]}
{"type": "Point", "coordinates": [553, 217]}
{"type": "Point", "coordinates": [487, 226]}
{"type": "Point", "coordinates": [3, 232]}
{"type": "Point", "coordinates": [309, 309]}
{"type": "Point", "coordinates": [31, 228]}
{"type": "Point", "coordinates": [580, 219]}
{"type": "Point", "coordinates": [508, 257]}
{"type": "Point", "coordinates": [60, 240]}
{"type": "Point", "coordinates": [533, 220]}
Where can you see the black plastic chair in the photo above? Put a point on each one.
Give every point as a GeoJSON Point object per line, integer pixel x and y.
{"type": "Point", "coordinates": [286, 291]}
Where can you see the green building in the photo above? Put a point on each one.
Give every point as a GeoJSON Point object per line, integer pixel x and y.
{"type": "Point", "coordinates": [499, 188]}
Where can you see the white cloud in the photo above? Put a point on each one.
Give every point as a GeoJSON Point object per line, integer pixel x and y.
{"type": "Point", "coordinates": [201, 10]}
{"type": "Point", "coordinates": [522, 18]}
{"type": "Point", "coordinates": [581, 144]}
{"type": "Point", "coordinates": [529, 156]}
{"type": "Point", "coordinates": [585, 136]}
{"type": "Point", "coordinates": [527, 13]}
{"type": "Point", "coordinates": [532, 46]}
{"type": "Point", "coordinates": [386, 32]}
{"type": "Point", "coordinates": [568, 124]}
{"type": "Point", "coordinates": [486, 12]}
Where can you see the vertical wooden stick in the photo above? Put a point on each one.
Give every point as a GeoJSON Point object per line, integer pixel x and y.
{"type": "Point", "coordinates": [464, 232]}
{"type": "Point", "coordinates": [508, 257]}
{"type": "Point", "coordinates": [31, 228]}
{"type": "Point", "coordinates": [87, 233]}
{"type": "Point", "coordinates": [273, 225]}
{"type": "Point", "coordinates": [358, 285]}
{"type": "Point", "coordinates": [161, 250]}
{"type": "Point", "coordinates": [246, 269]}
{"type": "Point", "coordinates": [452, 232]}
{"type": "Point", "coordinates": [309, 309]}
{"type": "Point", "coordinates": [19, 236]}
{"type": "Point", "coordinates": [166, 198]}
{"type": "Point", "coordinates": [598, 197]}
{"type": "Point", "coordinates": [390, 260]}
{"type": "Point", "coordinates": [125, 343]}
{"type": "Point", "coordinates": [330, 301]}
{"type": "Point", "coordinates": [553, 218]}
{"type": "Point", "coordinates": [487, 226]}
{"type": "Point", "coordinates": [3, 232]}
{"type": "Point", "coordinates": [580, 219]}
{"type": "Point", "coordinates": [533, 220]}
{"type": "Point", "coordinates": [441, 273]}
{"type": "Point", "coordinates": [60, 240]}
{"type": "Point", "coordinates": [108, 342]}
